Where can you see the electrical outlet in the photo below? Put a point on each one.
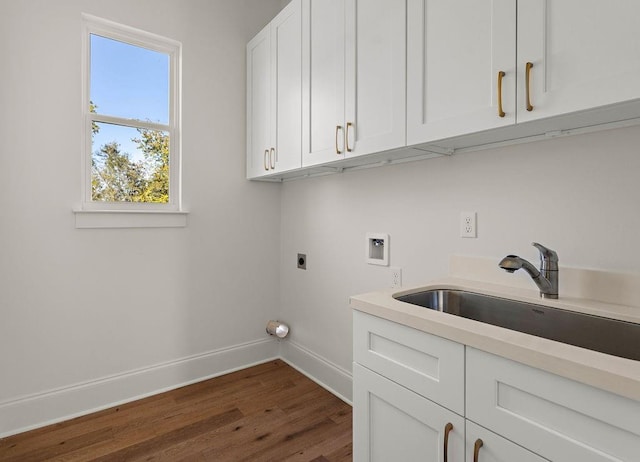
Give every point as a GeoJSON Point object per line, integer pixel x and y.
{"type": "Point", "coordinates": [396, 277]}
{"type": "Point", "coordinates": [468, 224]}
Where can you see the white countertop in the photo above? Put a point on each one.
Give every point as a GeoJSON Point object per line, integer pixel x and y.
{"type": "Point", "coordinates": [611, 373]}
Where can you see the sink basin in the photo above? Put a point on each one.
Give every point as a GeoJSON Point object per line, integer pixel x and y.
{"type": "Point", "coordinates": [611, 336]}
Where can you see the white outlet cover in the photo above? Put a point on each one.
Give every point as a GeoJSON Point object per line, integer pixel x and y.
{"type": "Point", "coordinates": [468, 224]}
{"type": "Point", "coordinates": [396, 277]}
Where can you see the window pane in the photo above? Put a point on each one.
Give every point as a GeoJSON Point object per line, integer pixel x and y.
{"type": "Point", "coordinates": [129, 164]}
{"type": "Point", "coordinates": [129, 81]}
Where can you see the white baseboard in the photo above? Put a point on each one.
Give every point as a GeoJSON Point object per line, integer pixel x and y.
{"type": "Point", "coordinates": [322, 371]}
{"type": "Point", "coordinates": [29, 412]}
{"type": "Point", "coordinates": [34, 411]}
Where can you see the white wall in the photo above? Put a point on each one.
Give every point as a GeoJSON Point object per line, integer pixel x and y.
{"type": "Point", "coordinates": [80, 305]}
{"type": "Point", "coordinates": [579, 195]}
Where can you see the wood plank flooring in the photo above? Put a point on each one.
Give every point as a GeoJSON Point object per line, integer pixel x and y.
{"type": "Point", "coordinates": [269, 412]}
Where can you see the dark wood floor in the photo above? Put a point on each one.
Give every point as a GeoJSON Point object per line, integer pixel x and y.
{"type": "Point", "coordinates": [268, 412]}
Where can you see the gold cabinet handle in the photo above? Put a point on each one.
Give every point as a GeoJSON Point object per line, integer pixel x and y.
{"type": "Point", "coordinates": [266, 154]}
{"type": "Point", "coordinates": [272, 158]}
{"type": "Point", "coordinates": [527, 83]}
{"type": "Point", "coordinates": [447, 430]}
{"type": "Point", "coordinates": [349, 124]}
{"type": "Point", "coordinates": [476, 449]}
{"type": "Point", "coordinates": [501, 113]}
{"type": "Point", "coordinates": [338, 128]}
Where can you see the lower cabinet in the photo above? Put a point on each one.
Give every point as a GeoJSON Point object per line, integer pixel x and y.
{"type": "Point", "coordinates": [485, 446]}
{"type": "Point", "coordinates": [510, 412]}
{"type": "Point", "coordinates": [392, 423]}
{"type": "Point", "coordinates": [560, 419]}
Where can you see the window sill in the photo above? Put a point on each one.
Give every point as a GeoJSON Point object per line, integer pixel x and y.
{"type": "Point", "coordinates": [86, 219]}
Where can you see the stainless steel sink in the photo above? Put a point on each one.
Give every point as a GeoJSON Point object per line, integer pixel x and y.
{"type": "Point", "coordinates": [611, 336]}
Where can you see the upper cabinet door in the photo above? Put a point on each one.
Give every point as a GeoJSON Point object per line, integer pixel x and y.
{"type": "Point", "coordinates": [286, 87]}
{"type": "Point", "coordinates": [274, 95]}
{"type": "Point", "coordinates": [323, 38]}
{"type": "Point", "coordinates": [375, 75]}
{"type": "Point", "coordinates": [456, 52]}
{"type": "Point", "coordinates": [258, 104]}
{"type": "Point", "coordinates": [585, 54]}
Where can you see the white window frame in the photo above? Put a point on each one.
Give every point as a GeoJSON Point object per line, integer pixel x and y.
{"type": "Point", "coordinates": [97, 214]}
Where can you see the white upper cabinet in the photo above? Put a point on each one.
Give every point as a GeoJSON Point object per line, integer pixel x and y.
{"type": "Point", "coordinates": [329, 81]}
{"type": "Point", "coordinates": [585, 54]}
{"type": "Point", "coordinates": [286, 87]}
{"type": "Point", "coordinates": [571, 55]}
{"type": "Point", "coordinates": [323, 81]}
{"type": "Point", "coordinates": [258, 103]}
{"type": "Point", "coordinates": [461, 63]}
{"type": "Point", "coordinates": [274, 95]}
{"type": "Point", "coordinates": [354, 67]}
{"type": "Point", "coordinates": [375, 105]}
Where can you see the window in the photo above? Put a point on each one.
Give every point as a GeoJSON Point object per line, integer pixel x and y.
{"type": "Point", "coordinates": [131, 126]}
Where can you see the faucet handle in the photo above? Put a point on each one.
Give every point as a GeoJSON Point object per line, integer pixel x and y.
{"type": "Point", "coordinates": [548, 257]}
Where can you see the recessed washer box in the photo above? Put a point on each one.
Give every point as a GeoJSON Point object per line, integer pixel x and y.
{"type": "Point", "coordinates": [377, 249]}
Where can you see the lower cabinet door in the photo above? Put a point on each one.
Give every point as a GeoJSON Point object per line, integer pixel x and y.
{"type": "Point", "coordinates": [392, 423]}
{"type": "Point", "coordinates": [485, 446]}
{"type": "Point", "coordinates": [560, 419]}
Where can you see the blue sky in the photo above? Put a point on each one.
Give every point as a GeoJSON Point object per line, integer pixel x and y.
{"type": "Point", "coordinates": [127, 81]}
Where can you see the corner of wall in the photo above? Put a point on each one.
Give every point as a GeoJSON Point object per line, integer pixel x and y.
{"type": "Point", "coordinates": [322, 371]}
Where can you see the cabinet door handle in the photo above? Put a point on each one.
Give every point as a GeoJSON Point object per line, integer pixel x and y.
{"type": "Point", "coordinates": [447, 430]}
{"type": "Point", "coordinates": [476, 449]}
{"type": "Point", "coordinates": [501, 113]}
{"type": "Point", "coordinates": [527, 83]}
{"type": "Point", "coordinates": [338, 128]}
{"type": "Point", "coordinates": [349, 124]}
{"type": "Point", "coordinates": [266, 154]}
{"type": "Point", "coordinates": [272, 158]}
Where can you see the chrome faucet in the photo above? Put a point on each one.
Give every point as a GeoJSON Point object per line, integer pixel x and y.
{"type": "Point", "coordinates": [546, 279]}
